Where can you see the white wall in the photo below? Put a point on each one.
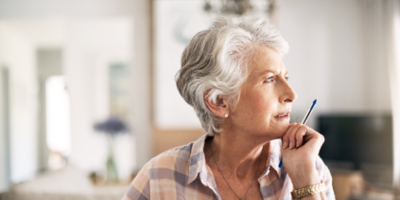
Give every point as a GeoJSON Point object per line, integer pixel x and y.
{"type": "Point", "coordinates": [3, 141]}
{"type": "Point", "coordinates": [91, 46]}
{"type": "Point", "coordinates": [4, 130]}
{"type": "Point", "coordinates": [44, 9]}
{"type": "Point", "coordinates": [141, 67]}
{"type": "Point", "coordinates": [327, 58]}
{"type": "Point", "coordinates": [17, 54]}
{"type": "Point", "coordinates": [90, 66]}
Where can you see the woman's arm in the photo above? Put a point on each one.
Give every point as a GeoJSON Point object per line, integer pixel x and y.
{"type": "Point", "coordinates": [300, 149]}
{"type": "Point", "coordinates": [305, 176]}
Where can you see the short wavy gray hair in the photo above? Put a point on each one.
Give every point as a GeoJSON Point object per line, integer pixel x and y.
{"type": "Point", "coordinates": [215, 63]}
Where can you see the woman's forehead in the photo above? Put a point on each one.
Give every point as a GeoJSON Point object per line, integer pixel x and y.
{"type": "Point", "coordinates": [266, 60]}
{"type": "Point", "coordinates": [277, 70]}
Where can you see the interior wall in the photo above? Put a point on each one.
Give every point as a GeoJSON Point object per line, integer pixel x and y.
{"type": "Point", "coordinates": [138, 12]}
{"type": "Point", "coordinates": [66, 8]}
{"type": "Point", "coordinates": [375, 27]}
{"type": "Point", "coordinates": [3, 138]}
{"type": "Point", "coordinates": [18, 55]}
{"type": "Point", "coordinates": [328, 59]}
{"type": "Point", "coordinates": [5, 166]}
{"type": "Point", "coordinates": [91, 47]}
{"type": "Point", "coordinates": [49, 63]}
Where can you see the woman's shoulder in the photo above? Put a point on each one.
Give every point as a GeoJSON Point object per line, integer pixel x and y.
{"type": "Point", "coordinates": [164, 170]}
{"type": "Point", "coordinates": [177, 157]}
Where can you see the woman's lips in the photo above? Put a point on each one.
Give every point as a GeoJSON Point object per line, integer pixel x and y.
{"type": "Point", "coordinates": [283, 116]}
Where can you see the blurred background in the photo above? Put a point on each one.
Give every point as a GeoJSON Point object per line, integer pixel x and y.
{"type": "Point", "coordinates": [87, 90]}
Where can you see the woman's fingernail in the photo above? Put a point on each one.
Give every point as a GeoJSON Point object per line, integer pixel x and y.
{"type": "Point", "coordinates": [290, 146]}
{"type": "Point", "coordinates": [284, 145]}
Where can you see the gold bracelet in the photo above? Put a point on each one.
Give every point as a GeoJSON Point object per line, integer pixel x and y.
{"type": "Point", "coordinates": [309, 190]}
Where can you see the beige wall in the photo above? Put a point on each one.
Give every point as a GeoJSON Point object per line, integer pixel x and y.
{"type": "Point", "coordinates": [164, 139]}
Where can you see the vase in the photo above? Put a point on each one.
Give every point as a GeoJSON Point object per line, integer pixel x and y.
{"type": "Point", "coordinates": [111, 173]}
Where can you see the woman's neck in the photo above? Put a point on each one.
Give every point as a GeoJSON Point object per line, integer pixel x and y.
{"type": "Point", "coordinates": [238, 155]}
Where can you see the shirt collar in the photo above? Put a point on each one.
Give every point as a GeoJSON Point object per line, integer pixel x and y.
{"type": "Point", "coordinates": [197, 161]}
{"type": "Point", "coordinates": [274, 156]}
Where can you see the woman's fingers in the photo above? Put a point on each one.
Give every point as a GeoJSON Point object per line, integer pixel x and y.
{"type": "Point", "coordinates": [286, 136]}
{"type": "Point", "coordinates": [298, 134]}
{"type": "Point", "coordinates": [285, 141]}
{"type": "Point", "coordinates": [314, 138]}
{"type": "Point", "coordinates": [292, 136]}
{"type": "Point", "coordinates": [301, 132]}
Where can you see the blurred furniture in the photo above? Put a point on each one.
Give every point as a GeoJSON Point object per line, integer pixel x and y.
{"type": "Point", "coordinates": [361, 185]}
{"type": "Point", "coordinates": [358, 150]}
{"type": "Point", "coordinates": [68, 183]}
{"type": "Point", "coordinates": [357, 138]}
{"type": "Point", "coordinates": [347, 183]}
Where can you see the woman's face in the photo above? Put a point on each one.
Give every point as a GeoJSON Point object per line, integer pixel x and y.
{"type": "Point", "coordinates": [266, 97]}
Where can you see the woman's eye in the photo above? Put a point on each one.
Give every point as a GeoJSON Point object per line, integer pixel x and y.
{"type": "Point", "coordinates": [269, 80]}
{"type": "Point", "coordinates": [287, 78]}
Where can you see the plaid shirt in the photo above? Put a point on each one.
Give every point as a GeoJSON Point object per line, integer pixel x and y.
{"type": "Point", "coordinates": [182, 173]}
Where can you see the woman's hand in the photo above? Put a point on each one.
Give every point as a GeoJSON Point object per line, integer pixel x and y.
{"type": "Point", "coordinates": [300, 149]}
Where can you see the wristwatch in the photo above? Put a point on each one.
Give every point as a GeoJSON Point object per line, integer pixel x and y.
{"type": "Point", "coordinates": [309, 190]}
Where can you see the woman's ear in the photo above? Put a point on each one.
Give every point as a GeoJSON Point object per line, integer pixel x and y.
{"type": "Point", "coordinates": [219, 108]}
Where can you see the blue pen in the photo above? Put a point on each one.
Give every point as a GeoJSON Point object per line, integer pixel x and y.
{"type": "Point", "coordinates": [303, 122]}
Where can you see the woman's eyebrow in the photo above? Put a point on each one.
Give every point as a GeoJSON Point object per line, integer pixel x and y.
{"type": "Point", "coordinates": [268, 71]}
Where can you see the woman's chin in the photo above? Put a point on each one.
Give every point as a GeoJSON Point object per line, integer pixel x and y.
{"type": "Point", "coordinates": [281, 130]}
{"type": "Point", "coordinates": [275, 132]}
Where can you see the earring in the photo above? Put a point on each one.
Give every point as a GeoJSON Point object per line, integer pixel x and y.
{"type": "Point", "coordinates": [226, 115]}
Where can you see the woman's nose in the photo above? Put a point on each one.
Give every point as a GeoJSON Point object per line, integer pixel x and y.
{"type": "Point", "coordinates": [288, 95]}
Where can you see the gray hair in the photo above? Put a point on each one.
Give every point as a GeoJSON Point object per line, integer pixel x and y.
{"type": "Point", "coordinates": [215, 63]}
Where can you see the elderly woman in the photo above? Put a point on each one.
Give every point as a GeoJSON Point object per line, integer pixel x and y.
{"type": "Point", "coordinates": [233, 76]}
